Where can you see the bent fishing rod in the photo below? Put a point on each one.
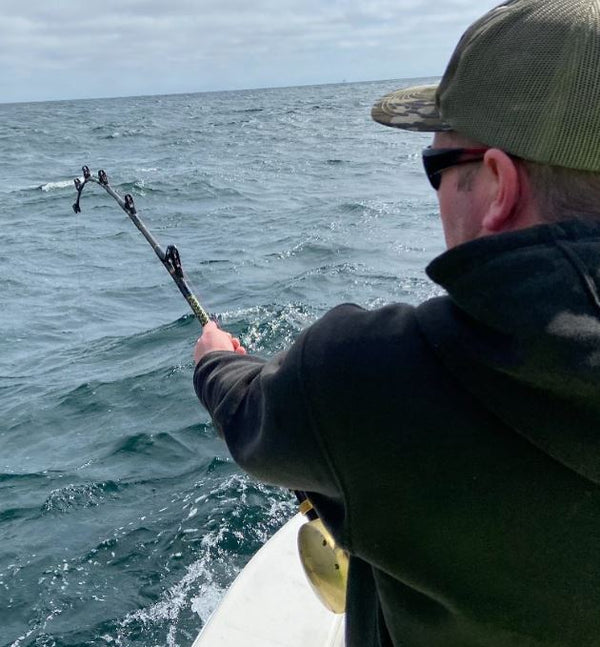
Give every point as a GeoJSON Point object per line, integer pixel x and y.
{"type": "Point", "coordinates": [169, 257]}
{"type": "Point", "coordinates": [325, 564]}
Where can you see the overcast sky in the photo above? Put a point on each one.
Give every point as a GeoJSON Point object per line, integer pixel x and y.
{"type": "Point", "coordinates": [63, 49]}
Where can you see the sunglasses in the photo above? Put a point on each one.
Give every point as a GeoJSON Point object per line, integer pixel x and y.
{"type": "Point", "coordinates": [436, 160]}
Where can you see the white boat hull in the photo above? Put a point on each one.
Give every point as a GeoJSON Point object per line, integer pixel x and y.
{"type": "Point", "coordinates": [271, 604]}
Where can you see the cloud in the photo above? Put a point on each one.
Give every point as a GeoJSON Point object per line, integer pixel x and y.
{"type": "Point", "coordinates": [48, 50]}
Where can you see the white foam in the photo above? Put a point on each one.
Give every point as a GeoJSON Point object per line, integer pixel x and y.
{"type": "Point", "coordinates": [53, 186]}
{"type": "Point", "coordinates": [178, 597]}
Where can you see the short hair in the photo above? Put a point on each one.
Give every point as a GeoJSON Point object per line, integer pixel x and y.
{"type": "Point", "coordinates": [563, 193]}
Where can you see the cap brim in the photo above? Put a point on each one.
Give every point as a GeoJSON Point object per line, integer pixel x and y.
{"type": "Point", "coordinates": [410, 109]}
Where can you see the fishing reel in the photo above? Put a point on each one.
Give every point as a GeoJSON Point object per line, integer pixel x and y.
{"type": "Point", "coordinates": [325, 563]}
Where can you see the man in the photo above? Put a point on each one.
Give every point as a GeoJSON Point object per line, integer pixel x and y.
{"type": "Point", "coordinates": [454, 448]}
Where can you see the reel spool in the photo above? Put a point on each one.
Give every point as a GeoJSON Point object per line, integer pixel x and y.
{"type": "Point", "coordinates": [325, 563]}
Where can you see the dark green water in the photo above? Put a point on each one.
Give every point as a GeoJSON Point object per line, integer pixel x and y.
{"type": "Point", "coordinates": [122, 517]}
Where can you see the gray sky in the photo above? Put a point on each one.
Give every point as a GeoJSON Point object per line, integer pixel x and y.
{"type": "Point", "coordinates": [62, 49]}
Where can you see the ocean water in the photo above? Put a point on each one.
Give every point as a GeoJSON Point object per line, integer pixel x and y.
{"type": "Point", "coordinates": [122, 517]}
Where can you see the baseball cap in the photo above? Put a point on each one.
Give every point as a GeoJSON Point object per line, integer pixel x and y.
{"type": "Point", "coordinates": [525, 78]}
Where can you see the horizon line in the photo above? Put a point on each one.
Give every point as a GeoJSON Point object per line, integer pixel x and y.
{"type": "Point", "coordinates": [194, 92]}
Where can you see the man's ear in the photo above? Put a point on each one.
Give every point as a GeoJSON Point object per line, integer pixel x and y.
{"type": "Point", "coordinates": [504, 191]}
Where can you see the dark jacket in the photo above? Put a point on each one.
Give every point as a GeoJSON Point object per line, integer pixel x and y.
{"type": "Point", "coordinates": [452, 448]}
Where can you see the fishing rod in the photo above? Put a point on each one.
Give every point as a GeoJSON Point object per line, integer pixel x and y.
{"type": "Point", "coordinates": [169, 257]}
{"type": "Point", "coordinates": [324, 562]}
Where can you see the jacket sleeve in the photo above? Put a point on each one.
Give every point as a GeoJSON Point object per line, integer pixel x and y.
{"type": "Point", "coordinates": [261, 410]}
{"type": "Point", "coordinates": [330, 416]}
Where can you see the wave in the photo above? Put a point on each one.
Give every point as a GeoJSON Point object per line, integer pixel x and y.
{"type": "Point", "coordinates": [54, 186]}
{"type": "Point", "coordinates": [163, 445]}
{"type": "Point", "coordinates": [115, 131]}
{"type": "Point", "coordinates": [243, 515]}
{"type": "Point", "coordinates": [247, 110]}
{"type": "Point", "coordinates": [136, 185]}
{"type": "Point", "coordinates": [128, 346]}
{"type": "Point", "coordinates": [80, 495]}
{"type": "Point", "coordinates": [14, 514]}
{"type": "Point", "coordinates": [8, 477]}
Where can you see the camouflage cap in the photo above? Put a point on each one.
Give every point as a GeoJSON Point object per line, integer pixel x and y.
{"type": "Point", "coordinates": [524, 78]}
{"type": "Point", "coordinates": [411, 109]}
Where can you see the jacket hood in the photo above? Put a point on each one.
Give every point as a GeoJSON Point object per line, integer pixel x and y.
{"type": "Point", "coordinates": [520, 329]}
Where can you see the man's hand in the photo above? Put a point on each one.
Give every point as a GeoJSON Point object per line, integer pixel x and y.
{"type": "Point", "coordinates": [213, 338]}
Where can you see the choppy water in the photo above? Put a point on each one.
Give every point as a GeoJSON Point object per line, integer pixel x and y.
{"type": "Point", "coordinates": [122, 518]}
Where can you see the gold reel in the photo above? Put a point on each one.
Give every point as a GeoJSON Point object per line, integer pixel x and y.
{"type": "Point", "coordinates": [324, 562]}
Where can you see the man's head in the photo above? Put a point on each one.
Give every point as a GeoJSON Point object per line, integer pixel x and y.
{"type": "Point", "coordinates": [524, 81]}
